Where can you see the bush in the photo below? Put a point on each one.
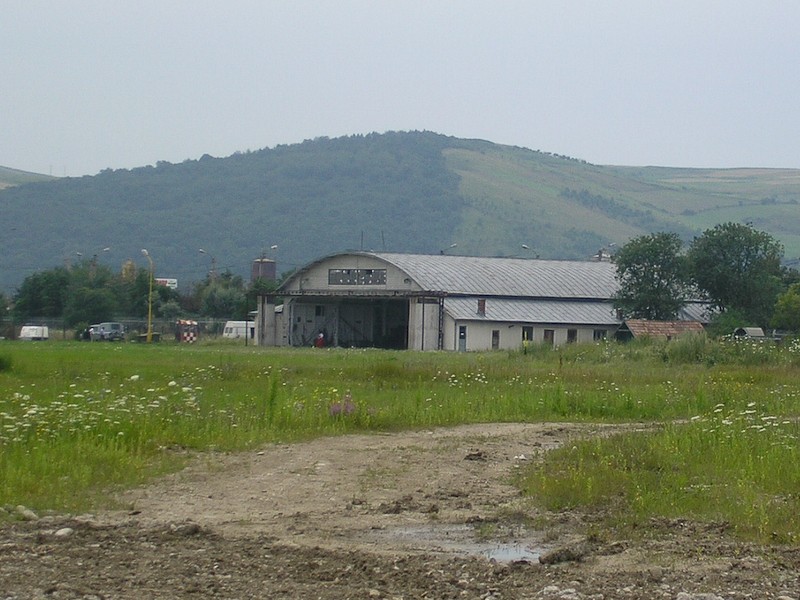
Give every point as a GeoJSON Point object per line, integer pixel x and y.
{"type": "Point", "coordinates": [5, 363]}
{"type": "Point", "coordinates": [690, 348]}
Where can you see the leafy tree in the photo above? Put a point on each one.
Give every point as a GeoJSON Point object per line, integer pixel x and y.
{"type": "Point", "coordinates": [738, 268]}
{"type": "Point", "coordinates": [90, 296]}
{"type": "Point", "coordinates": [89, 274]}
{"type": "Point", "coordinates": [221, 302]}
{"type": "Point", "coordinates": [165, 297]}
{"type": "Point", "coordinates": [43, 294]}
{"type": "Point", "coordinates": [6, 328]}
{"type": "Point", "coordinates": [221, 297]}
{"type": "Point", "coordinates": [258, 287]}
{"type": "Point", "coordinates": [787, 309]}
{"type": "Point", "coordinates": [89, 305]}
{"type": "Point", "coordinates": [653, 277]}
{"type": "Point", "coordinates": [789, 276]}
{"type": "Point", "coordinates": [132, 290]}
{"type": "Point", "coordinates": [170, 309]}
{"type": "Point", "coordinates": [725, 323]}
{"type": "Point", "coordinates": [88, 293]}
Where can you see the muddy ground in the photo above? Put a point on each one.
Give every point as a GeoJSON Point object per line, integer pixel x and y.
{"type": "Point", "coordinates": [428, 514]}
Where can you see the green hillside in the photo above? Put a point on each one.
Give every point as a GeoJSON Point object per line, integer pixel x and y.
{"type": "Point", "coordinates": [701, 198]}
{"type": "Point", "coordinates": [405, 192]}
{"type": "Point", "coordinates": [12, 177]}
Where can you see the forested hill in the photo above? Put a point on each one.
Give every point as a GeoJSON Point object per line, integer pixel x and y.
{"type": "Point", "coordinates": [404, 192]}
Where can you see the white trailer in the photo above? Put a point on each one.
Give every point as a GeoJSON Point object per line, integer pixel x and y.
{"type": "Point", "coordinates": [239, 329]}
{"type": "Point", "coordinates": [34, 333]}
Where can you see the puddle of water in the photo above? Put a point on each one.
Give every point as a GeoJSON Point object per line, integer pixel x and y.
{"type": "Point", "coordinates": [511, 553]}
{"type": "Point", "coordinates": [460, 539]}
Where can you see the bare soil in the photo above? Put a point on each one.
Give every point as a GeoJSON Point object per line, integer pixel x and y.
{"type": "Point", "coordinates": [428, 514]}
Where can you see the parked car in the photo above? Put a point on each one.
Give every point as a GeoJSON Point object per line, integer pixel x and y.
{"type": "Point", "coordinates": [107, 332]}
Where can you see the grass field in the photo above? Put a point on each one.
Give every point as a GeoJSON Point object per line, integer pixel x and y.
{"type": "Point", "coordinates": [79, 420]}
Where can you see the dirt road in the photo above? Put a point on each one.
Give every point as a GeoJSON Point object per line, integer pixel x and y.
{"type": "Point", "coordinates": [429, 514]}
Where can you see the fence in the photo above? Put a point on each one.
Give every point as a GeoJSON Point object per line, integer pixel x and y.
{"type": "Point", "coordinates": [165, 328]}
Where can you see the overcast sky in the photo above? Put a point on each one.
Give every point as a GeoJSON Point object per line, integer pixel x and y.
{"type": "Point", "coordinates": [95, 84]}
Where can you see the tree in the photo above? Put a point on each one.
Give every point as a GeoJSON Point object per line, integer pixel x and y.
{"type": "Point", "coordinates": [787, 309]}
{"type": "Point", "coordinates": [89, 305]}
{"type": "Point", "coordinates": [6, 327]}
{"type": "Point", "coordinates": [221, 296]}
{"type": "Point", "coordinates": [652, 276]}
{"type": "Point", "coordinates": [738, 268]}
{"type": "Point", "coordinates": [43, 294]}
{"type": "Point", "coordinates": [87, 293]}
{"type": "Point", "coordinates": [221, 302]}
{"type": "Point", "coordinates": [169, 309]}
{"type": "Point", "coordinates": [258, 287]}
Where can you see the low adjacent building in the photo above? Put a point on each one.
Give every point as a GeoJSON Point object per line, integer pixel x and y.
{"type": "Point", "coordinates": [657, 330]}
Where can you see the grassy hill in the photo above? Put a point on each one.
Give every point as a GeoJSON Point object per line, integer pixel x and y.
{"type": "Point", "coordinates": [11, 177]}
{"type": "Point", "coordinates": [405, 192]}
{"type": "Point", "coordinates": [558, 197]}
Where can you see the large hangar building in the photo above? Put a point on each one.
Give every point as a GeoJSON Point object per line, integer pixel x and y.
{"type": "Point", "coordinates": [441, 302]}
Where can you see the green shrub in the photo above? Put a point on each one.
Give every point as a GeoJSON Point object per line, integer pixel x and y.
{"type": "Point", "coordinates": [690, 348]}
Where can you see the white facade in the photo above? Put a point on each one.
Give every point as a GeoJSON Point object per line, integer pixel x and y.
{"type": "Point", "coordinates": [481, 335]}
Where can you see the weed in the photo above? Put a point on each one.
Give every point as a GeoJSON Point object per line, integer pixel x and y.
{"type": "Point", "coordinates": [76, 419]}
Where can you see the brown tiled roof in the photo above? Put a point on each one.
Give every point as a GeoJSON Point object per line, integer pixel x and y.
{"type": "Point", "coordinates": [662, 329]}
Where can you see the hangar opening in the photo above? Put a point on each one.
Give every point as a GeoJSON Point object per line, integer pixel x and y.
{"type": "Point", "coordinates": [350, 323]}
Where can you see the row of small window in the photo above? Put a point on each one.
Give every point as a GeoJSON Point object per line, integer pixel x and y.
{"type": "Point", "coordinates": [356, 276]}
{"type": "Point", "coordinates": [598, 335]}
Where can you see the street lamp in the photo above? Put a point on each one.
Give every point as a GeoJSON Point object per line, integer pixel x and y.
{"type": "Point", "coordinates": [149, 298]}
{"type": "Point", "coordinates": [213, 272]}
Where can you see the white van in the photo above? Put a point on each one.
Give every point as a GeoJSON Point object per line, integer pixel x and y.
{"type": "Point", "coordinates": [238, 329]}
{"type": "Point", "coordinates": [34, 333]}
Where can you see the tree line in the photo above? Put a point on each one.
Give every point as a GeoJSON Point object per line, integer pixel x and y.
{"type": "Point", "coordinates": [735, 269]}
{"type": "Point", "coordinates": [88, 292]}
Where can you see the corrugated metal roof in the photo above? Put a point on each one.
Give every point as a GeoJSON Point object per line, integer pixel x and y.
{"type": "Point", "coordinates": [695, 311]}
{"type": "Point", "coordinates": [557, 312]}
{"type": "Point", "coordinates": [751, 332]}
{"type": "Point", "coordinates": [518, 277]}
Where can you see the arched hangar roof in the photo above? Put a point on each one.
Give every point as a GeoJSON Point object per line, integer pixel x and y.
{"type": "Point", "coordinates": [508, 277]}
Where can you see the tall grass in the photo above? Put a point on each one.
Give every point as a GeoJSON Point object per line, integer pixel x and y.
{"type": "Point", "coordinates": [741, 469]}
{"type": "Point", "coordinates": [77, 420]}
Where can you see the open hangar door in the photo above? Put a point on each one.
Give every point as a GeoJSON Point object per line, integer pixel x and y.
{"type": "Point", "coordinates": [351, 323]}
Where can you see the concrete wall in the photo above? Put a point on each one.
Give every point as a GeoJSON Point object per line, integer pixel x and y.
{"type": "Point", "coordinates": [480, 334]}
{"type": "Point", "coordinates": [423, 324]}
{"type": "Point", "coordinates": [316, 278]}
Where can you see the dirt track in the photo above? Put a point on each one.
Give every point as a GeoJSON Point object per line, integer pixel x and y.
{"type": "Point", "coordinates": [426, 514]}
